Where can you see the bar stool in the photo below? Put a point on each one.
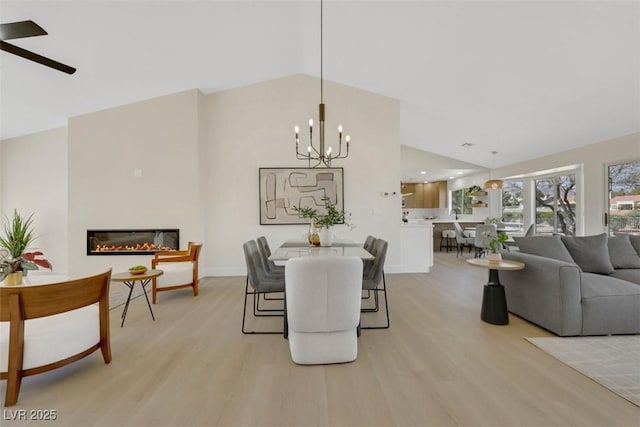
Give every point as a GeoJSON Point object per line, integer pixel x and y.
{"type": "Point", "coordinates": [448, 240]}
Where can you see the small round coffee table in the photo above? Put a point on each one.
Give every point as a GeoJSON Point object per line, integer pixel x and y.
{"type": "Point", "coordinates": [130, 280]}
{"type": "Point", "coordinates": [494, 300]}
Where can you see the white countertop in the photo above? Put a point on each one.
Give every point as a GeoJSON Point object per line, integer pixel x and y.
{"type": "Point", "coordinates": [426, 222]}
{"type": "Point", "coordinates": [451, 221]}
{"type": "Point", "coordinates": [417, 224]}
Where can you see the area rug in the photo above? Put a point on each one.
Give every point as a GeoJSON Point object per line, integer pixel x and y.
{"type": "Point", "coordinates": [612, 361]}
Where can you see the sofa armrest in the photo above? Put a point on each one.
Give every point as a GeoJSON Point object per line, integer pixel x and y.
{"type": "Point", "coordinates": [547, 292]}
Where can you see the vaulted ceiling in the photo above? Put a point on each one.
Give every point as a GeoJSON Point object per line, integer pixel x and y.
{"type": "Point", "coordinates": [525, 79]}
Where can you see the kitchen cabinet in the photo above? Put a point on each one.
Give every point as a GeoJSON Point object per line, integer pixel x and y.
{"type": "Point", "coordinates": [425, 195]}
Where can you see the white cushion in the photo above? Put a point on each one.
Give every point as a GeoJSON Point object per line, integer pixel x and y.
{"type": "Point", "coordinates": [321, 348]}
{"type": "Point", "coordinates": [53, 338]}
{"type": "Point", "coordinates": [175, 273]}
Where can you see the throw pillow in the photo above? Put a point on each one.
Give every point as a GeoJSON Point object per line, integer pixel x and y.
{"type": "Point", "coordinates": [621, 252]}
{"type": "Point", "coordinates": [546, 246]}
{"type": "Point", "coordinates": [590, 253]}
{"type": "Point", "coordinates": [635, 242]}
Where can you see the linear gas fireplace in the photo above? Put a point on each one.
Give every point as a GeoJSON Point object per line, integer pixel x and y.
{"type": "Point", "coordinates": [132, 242]}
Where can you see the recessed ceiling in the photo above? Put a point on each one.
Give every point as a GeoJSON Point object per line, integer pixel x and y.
{"type": "Point", "coordinates": [526, 79]}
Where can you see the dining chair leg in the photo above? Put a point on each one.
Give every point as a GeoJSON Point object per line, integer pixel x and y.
{"type": "Point", "coordinates": [285, 322]}
{"type": "Point", "coordinates": [386, 305]}
{"type": "Point", "coordinates": [259, 310]}
{"type": "Point", "coordinates": [376, 306]}
{"type": "Point", "coordinates": [244, 308]}
{"type": "Point", "coordinates": [244, 313]}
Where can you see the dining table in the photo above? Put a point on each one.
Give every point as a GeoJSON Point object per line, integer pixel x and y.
{"type": "Point", "coordinates": [301, 248]}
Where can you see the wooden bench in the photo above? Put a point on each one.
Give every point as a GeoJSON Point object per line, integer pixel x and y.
{"type": "Point", "coordinates": [60, 322]}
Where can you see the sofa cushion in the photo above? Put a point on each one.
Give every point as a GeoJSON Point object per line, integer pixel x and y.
{"type": "Point", "coordinates": [635, 242]}
{"type": "Point", "coordinates": [628, 274]}
{"type": "Point", "coordinates": [621, 253]}
{"type": "Point", "coordinates": [590, 253]}
{"type": "Point", "coordinates": [609, 305]}
{"type": "Point", "coordinates": [546, 246]}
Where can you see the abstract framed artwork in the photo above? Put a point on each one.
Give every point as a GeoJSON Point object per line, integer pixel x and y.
{"type": "Point", "coordinates": [283, 188]}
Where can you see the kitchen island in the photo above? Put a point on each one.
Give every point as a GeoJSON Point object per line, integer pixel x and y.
{"type": "Point", "coordinates": [420, 238]}
{"type": "Point", "coordinates": [439, 225]}
{"type": "Point", "coordinates": [416, 239]}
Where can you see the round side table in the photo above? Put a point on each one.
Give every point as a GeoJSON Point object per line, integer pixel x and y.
{"type": "Point", "coordinates": [130, 280]}
{"type": "Point", "coordinates": [494, 300]}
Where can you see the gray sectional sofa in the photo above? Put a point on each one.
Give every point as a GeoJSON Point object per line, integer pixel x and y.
{"type": "Point", "coordinates": [576, 285]}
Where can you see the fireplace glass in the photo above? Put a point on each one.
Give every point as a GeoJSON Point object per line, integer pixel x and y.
{"type": "Point", "coordinates": [132, 242]}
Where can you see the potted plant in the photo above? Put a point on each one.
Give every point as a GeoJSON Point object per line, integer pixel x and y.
{"type": "Point", "coordinates": [474, 190]}
{"type": "Point", "coordinates": [325, 221]}
{"type": "Point", "coordinates": [331, 217]}
{"type": "Point", "coordinates": [496, 244]}
{"type": "Point", "coordinates": [15, 239]}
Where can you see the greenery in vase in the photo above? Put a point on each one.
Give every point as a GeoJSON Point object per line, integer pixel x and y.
{"type": "Point", "coordinates": [306, 212]}
{"type": "Point", "coordinates": [331, 216]}
{"type": "Point", "coordinates": [17, 234]}
{"type": "Point", "coordinates": [492, 220]}
{"type": "Point", "coordinates": [497, 242]}
{"type": "Point", "coordinates": [16, 237]}
{"type": "Point", "coordinates": [474, 189]}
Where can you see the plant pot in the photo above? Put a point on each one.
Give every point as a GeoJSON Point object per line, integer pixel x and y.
{"type": "Point", "coordinates": [494, 258]}
{"type": "Point", "coordinates": [13, 279]}
{"type": "Point", "coordinates": [326, 237]}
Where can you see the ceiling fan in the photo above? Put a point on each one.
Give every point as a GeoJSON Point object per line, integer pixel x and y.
{"type": "Point", "coordinates": [22, 29]}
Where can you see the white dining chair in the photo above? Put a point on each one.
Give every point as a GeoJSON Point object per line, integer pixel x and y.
{"type": "Point", "coordinates": [323, 308]}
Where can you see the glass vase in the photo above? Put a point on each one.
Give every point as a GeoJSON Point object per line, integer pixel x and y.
{"type": "Point", "coordinates": [314, 237]}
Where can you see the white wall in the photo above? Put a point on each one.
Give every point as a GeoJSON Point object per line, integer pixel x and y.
{"type": "Point", "coordinates": [252, 127]}
{"type": "Point", "coordinates": [33, 180]}
{"type": "Point", "coordinates": [160, 137]}
{"type": "Point", "coordinates": [591, 162]}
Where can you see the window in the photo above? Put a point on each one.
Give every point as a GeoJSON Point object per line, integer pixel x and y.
{"type": "Point", "coordinates": [461, 201]}
{"type": "Point", "coordinates": [556, 205]}
{"type": "Point", "coordinates": [512, 204]}
{"type": "Point", "coordinates": [624, 197]}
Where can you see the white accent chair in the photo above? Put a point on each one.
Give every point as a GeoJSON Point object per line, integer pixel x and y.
{"type": "Point", "coordinates": [180, 270]}
{"type": "Point", "coordinates": [484, 234]}
{"type": "Point", "coordinates": [323, 308]}
{"type": "Point", "coordinates": [44, 327]}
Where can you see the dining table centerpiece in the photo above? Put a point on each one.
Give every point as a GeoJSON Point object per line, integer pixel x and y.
{"type": "Point", "coordinates": [321, 223]}
{"type": "Point", "coordinates": [15, 239]}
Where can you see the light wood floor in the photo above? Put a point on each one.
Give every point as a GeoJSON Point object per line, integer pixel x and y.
{"type": "Point", "coordinates": [438, 365]}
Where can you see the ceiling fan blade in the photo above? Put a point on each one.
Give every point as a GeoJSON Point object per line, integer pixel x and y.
{"type": "Point", "coordinates": [27, 54]}
{"type": "Point", "coordinates": [19, 30]}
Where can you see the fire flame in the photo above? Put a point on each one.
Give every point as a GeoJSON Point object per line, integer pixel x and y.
{"type": "Point", "coordinates": [137, 247]}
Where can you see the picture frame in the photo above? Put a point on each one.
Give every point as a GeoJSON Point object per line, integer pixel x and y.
{"type": "Point", "coordinates": [282, 188]}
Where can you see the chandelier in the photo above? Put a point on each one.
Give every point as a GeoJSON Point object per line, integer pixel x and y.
{"type": "Point", "coordinates": [321, 155]}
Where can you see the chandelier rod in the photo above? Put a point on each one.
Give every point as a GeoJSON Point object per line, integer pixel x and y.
{"type": "Point", "coordinates": [321, 58]}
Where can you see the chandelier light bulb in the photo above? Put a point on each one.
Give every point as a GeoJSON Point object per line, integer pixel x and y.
{"type": "Point", "coordinates": [340, 128]}
{"type": "Point", "coordinates": [329, 151]}
{"type": "Point", "coordinates": [309, 149]}
{"type": "Point", "coordinates": [348, 139]}
{"type": "Point", "coordinates": [310, 123]}
{"type": "Point", "coordinates": [296, 129]}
